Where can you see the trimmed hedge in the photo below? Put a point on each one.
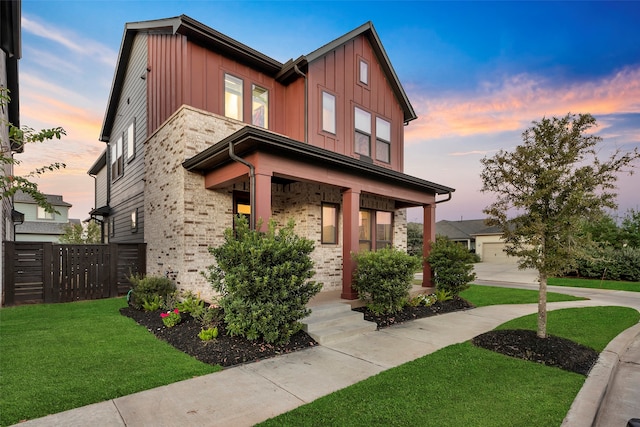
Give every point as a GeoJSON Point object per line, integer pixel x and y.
{"type": "Point", "coordinates": [383, 278]}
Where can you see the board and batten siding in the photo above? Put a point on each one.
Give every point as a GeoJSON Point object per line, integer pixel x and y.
{"type": "Point", "coordinates": [337, 73]}
{"type": "Point", "coordinates": [184, 73]}
{"type": "Point", "coordinates": [127, 191]}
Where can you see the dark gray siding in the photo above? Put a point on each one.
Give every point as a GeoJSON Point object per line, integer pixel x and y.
{"type": "Point", "coordinates": [127, 191]}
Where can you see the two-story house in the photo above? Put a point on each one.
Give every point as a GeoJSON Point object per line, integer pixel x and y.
{"type": "Point", "coordinates": [10, 52]}
{"type": "Point", "coordinates": [38, 225]}
{"type": "Point", "coordinates": [201, 127]}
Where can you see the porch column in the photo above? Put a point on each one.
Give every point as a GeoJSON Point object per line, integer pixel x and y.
{"type": "Point", "coordinates": [350, 239]}
{"type": "Point", "coordinates": [263, 199]}
{"type": "Point", "coordinates": [428, 236]}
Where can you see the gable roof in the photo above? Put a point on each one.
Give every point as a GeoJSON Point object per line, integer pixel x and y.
{"type": "Point", "coordinates": [465, 229]}
{"type": "Point", "coordinates": [213, 39]}
{"type": "Point", "coordinates": [54, 200]}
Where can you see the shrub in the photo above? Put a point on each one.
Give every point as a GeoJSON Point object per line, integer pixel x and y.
{"type": "Point", "coordinates": [611, 264]}
{"type": "Point", "coordinates": [148, 288]}
{"type": "Point", "coordinates": [263, 279]}
{"type": "Point", "coordinates": [208, 334]}
{"type": "Point", "coordinates": [383, 279]}
{"type": "Point", "coordinates": [452, 264]}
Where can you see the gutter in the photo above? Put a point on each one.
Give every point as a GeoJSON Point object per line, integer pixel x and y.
{"type": "Point", "coordinates": [252, 184]}
{"type": "Point", "coordinates": [449, 195]}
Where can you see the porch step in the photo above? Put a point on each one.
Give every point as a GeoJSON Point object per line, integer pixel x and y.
{"type": "Point", "coordinates": [334, 322]}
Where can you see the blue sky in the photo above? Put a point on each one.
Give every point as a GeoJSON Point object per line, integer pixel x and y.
{"type": "Point", "coordinates": [477, 74]}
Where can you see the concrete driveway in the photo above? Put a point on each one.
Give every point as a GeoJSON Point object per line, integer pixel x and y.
{"type": "Point", "coordinates": [504, 273]}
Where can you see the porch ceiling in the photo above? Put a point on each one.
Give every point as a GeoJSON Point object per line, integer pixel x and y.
{"type": "Point", "coordinates": [250, 140]}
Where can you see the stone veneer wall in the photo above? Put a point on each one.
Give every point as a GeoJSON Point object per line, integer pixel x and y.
{"type": "Point", "coordinates": [183, 218]}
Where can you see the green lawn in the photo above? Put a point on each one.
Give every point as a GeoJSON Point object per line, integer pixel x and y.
{"type": "Point", "coordinates": [597, 284]}
{"type": "Point", "coordinates": [55, 357]}
{"type": "Point", "coordinates": [494, 295]}
{"type": "Point", "coordinates": [462, 385]}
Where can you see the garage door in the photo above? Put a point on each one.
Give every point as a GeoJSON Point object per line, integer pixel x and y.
{"type": "Point", "coordinates": [494, 253]}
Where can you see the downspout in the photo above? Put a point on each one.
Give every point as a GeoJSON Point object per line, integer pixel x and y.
{"type": "Point", "coordinates": [252, 185]}
{"type": "Point", "coordinates": [306, 102]}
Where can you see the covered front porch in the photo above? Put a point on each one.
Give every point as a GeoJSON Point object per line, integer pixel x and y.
{"type": "Point", "coordinates": [263, 158]}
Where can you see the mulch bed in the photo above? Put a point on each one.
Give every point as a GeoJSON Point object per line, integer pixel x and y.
{"type": "Point", "coordinates": [230, 351]}
{"type": "Point", "coordinates": [551, 351]}
{"type": "Point", "coordinates": [224, 350]}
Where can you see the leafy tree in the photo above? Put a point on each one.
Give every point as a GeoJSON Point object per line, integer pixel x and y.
{"type": "Point", "coordinates": [414, 239]}
{"type": "Point", "coordinates": [550, 184]}
{"type": "Point", "coordinates": [76, 234]}
{"type": "Point", "coordinates": [630, 229]}
{"type": "Point", "coordinates": [264, 281]}
{"type": "Point", "coordinates": [9, 183]}
{"type": "Point", "coordinates": [452, 264]}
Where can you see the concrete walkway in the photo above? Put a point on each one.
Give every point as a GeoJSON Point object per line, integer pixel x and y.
{"type": "Point", "coordinates": [245, 395]}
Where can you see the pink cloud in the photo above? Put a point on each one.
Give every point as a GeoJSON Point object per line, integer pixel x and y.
{"type": "Point", "coordinates": [514, 103]}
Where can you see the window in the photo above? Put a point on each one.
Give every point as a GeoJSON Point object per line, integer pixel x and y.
{"type": "Point", "coordinates": [43, 214]}
{"type": "Point", "coordinates": [329, 223]}
{"type": "Point", "coordinates": [384, 229]}
{"type": "Point", "coordinates": [362, 132]}
{"type": "Point", "coordinates": [364, 224]}
{"type": "Point", "coordinates": [116, 159]}
{"type": "Point", "coordinates": [260, 107]}
{"type": "Point", "coordinates": [328, 112]}
{"type": "Point", "coordinates": [112, 229]}
{"type": "Point", "coordinates": [241, 206]}
{"type": "Point", "coordinates": [383, 140]}
{"type": "Point", "coordinates": [131, 140]}
{"type": "Point", "coordinates": [376, 230]}
{"type": "Point", "coordinates": [364, 72]}
{"type": "Point", "coordinates": [232, 97]}
{"type": "Point", "coordinates": [134, 220]}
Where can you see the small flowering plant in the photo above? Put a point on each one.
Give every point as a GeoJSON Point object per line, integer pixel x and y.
{"type": "Point", "coordinates": [171, 318]}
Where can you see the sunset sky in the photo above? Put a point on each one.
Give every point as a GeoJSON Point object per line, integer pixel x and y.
{"type": "Point", "coordinates": [477, 74]}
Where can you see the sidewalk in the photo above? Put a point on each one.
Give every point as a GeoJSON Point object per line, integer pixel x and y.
{"type": "Point", "coordinates": [248, 394]}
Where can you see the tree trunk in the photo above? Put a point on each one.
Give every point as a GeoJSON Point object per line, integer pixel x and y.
{"type": "Point", "coordinates": [542, 306]}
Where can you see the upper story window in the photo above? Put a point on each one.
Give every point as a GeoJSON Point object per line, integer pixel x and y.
{"type": "Point", "coordinates": [116, 159]}
{"type": "Point", "coordinates": [362, 132]}
{"type": "Point", "coordinates": [131, 140]}
{"type": "Point", "coordinates": [363, 71]}
{"type": "Point", "coordinates": [232, 97]}
{"type": "Point", "coordinates": [260, 107]}
{"type": "Point", "coordinates": [328, 112]}
{"type": "Point", "coordinates": [383, 140]}
{"type": "Point", "coordinates": [43, 214]}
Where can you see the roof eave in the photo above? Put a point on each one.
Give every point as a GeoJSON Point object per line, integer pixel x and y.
{"type": "Point", "coordinates": [250, 137]}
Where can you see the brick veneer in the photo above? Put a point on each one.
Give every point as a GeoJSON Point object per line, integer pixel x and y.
{"type": "Point", "coordinates": [183, 218]}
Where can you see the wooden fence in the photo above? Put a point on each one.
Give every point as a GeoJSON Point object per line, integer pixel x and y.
{"type": "Point", "coordinates": [42, 272]}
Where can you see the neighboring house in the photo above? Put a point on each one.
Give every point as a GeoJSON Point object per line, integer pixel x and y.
{"type": "Point", "coordinates": [484, 240]}
{"type": "Point", "coordinates": [101, 212]}
{"type": "Point", "coordinates": [40, 225]}
{"type": "Point", "coordinates": [200, 127]}
{"type": "Point", "coordinates": [10, 52]}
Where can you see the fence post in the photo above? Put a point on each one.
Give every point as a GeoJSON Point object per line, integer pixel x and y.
{"type": "Point", "coordinates": [113, 270]}
{"type": "Point", "coordinates": [47, 271]}
{"type": "Point", "coordinates": [9, 288]}
{"type": "Point", "coordinates": [142, 259]}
